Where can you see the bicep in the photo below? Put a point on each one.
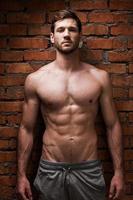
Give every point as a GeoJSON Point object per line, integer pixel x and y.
{"type": "Point", "coordinates": [30, 112]}
{"type": "Point", "coordinates": [30, 106]}
{"type": "Point", "coordinates": [107, 104]}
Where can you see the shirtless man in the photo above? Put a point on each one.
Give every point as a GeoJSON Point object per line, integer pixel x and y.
{"type": "Point", "coordinates": [68, 92]}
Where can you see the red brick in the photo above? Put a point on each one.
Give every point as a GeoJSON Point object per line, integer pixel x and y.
{"type": "Point", "coordinates": [7, 156]}
{"type": "Point", "coordinates": [120, 81]}
{"type": "Point", "coordinates": [103, 43]}
{"type": "Point", "coordinates": [120, 93]}
{"type": "Point", "coordinates": [124, 105]}
{"type": "Point", "coordinates": [8, 132]}
{"type": "Point", "coordinates": [127, 129]}
{"type": "Point", "coordinates": [8, 180]}
{"type": "Point", "coordinates": [129, 176]}
{"type": "Point", "coordinates": [36, 55]}
{"type": "Point", "coordinates": [19, 68]}
{"type": "Point", "coordinates": [11, 80]}
{"type": "Point", "coordinates": [7, 192]}
{"type": "Point", "coordinates": [39, 30]}
{"type": "Point", "coordinates": [99, 43]}
{"type": "Point", "coordinates": [119, 43]}
{"type": "Point", "coordinates": [50, 16]}
{"type": "Point", "coordinates": [121, 4]}
{"type": "Point", "coordinates": [2, 68]}
{"type": "Point", "coordinates": [120, 16]}
{"type": "Point", "coordinates": [7, 168]}
{"type": "Point", "coordinates": [2, 120]}
{"type": "Point", "coordinates": [7, 144]}
{"type": "Point", "coordinates": [122, 29]}
{"type": "Point", "coordinates": [11, 5]}
{"type": "Point", "coordinates": [130, 92]}
{"type": "Point", "coordinates": [14, 119]}
{"type": "Point", "coordinates": [130, 17]}
{"type": "Point", "coordinates": [11, 106]}
{"type": "Point", "coordinates": [118, 68]}
{"type": "Point", "coordinates": [3, 43]}
{"type": "Point", "coordinates": [13, 29]}
{"type": "Point", "coordinates": [122, 116]}
{"type": "Point", "coordinates": [127, 141]}
{"type": "Point", "coordinates": [45, 5]}
{"type": "Point", "coordinates": [101, 17]}
{"type": "Point", "coordinates": [11, 56]}
{"type": "Point", "coordinates": [130, 43]}
{"type": "Point", "coordinates": [113, 68]}
{"type": "Point", "coordinates": [128, 155]}
{"type": "Point", "coordinates": [120, 56]}
{"type": "Point", "coordinates": [25, 43]}
{"type": "Point", "coordinates": [91, 55]}
{"type": "Point", "coordinates": [13, 93]}
{"type": "Point", "coordinates": [2, 92]}
{"type": "Point", "coordinates": [95, 29]}
{"type": "Point", "coordinates": [128, 165]}
{"type": "Point", "coordinates": [130, 117]}
{"type": "Point", "coordinates": [130, 80]}
{"type": "Point", "coordinates": [83, 16]}
{"type": "Point", "coordinates": [88, 4]}
{"type": "Point", "coordinates": [28, 18]}
{"type": "Point", "coordinates": [131, 142]}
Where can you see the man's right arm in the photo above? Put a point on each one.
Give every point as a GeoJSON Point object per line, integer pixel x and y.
{"type": "Point", "coordinates": [25, 136]}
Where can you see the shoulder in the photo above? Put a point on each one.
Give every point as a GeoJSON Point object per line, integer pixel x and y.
{"type": "Point", "coordinates": [33, 80]}
{"type": "Point", "coordinates": [101, 75]}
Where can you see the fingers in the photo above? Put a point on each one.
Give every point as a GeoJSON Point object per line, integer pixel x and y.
{"type": "Point", "coordinates": [115, 192]}
{"type": "Point", "coordinates": [25, 194]}
{"type": "Point", "coordinates": [29, 193]}
{"type": "Point", "coordinates": [112, 191]}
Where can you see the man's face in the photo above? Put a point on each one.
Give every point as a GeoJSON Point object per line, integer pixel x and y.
{"type": "Point", "coordinates": [66, 36]}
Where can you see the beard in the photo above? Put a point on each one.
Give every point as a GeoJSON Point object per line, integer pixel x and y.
{"type": "Point", "coordinates": [67, 49]}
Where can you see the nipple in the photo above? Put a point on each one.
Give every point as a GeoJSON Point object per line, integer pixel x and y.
{"type": "Point", "coordinates": [90, 100]}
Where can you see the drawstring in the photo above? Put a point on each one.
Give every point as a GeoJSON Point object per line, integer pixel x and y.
{"type": "Point", "coordinates": [66, 172]}
{"type": "Point", "coordinates": [65, 184]}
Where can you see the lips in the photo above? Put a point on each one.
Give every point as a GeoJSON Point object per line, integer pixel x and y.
{"type": "Point", "coordinates": [67, 42]}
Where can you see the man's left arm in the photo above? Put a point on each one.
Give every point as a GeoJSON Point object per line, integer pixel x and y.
{"type": "Point", "coordinates": [114, 136]}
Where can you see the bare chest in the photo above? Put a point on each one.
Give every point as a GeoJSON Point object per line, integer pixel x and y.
{"type": "Point", "coordinates": [60, 91]}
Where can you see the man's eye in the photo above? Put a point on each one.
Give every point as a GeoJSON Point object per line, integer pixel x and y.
{"type": "Point", "coordinates": [73, 29]}
{"type": "Point", "coordinates": [60, 30]}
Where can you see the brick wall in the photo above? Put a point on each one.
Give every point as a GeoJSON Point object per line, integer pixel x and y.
{"type": "Point", "coordinates": [25, 47]}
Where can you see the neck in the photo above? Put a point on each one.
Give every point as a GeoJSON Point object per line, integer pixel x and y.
{"type": "Point", "coordinates": [68, 62]}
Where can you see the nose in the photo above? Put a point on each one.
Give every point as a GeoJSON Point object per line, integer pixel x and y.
{"type": "Point", "coordinates": [66, 33]}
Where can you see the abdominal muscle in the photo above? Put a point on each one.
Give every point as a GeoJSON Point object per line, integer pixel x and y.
{"type": "Point", "coordinates": [69, 137]}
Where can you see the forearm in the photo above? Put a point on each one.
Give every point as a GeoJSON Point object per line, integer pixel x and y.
{"type": "Point", "coordinates": [25, 143]}
{"type": "Point", "coordinates": [115, 141]}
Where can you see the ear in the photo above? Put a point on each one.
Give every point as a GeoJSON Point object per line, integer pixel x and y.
{"type": "Point", "coordinates": [52, 38]}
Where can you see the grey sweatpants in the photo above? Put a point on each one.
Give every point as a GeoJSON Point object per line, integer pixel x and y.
{"type": "Point", "coordinates": [70, 181]}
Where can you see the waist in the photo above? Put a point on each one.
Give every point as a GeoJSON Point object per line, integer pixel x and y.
{"type": "Point", "coordinates": [89, 164]}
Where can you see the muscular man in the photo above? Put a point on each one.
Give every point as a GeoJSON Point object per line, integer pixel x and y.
{"type": "Point", "coordinates": [68, 92]}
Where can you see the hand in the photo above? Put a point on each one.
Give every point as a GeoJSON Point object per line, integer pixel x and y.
{"type": "Point", "coordinates": [24, 189]}
{"type": "Point", "coordinates": [116, 187]}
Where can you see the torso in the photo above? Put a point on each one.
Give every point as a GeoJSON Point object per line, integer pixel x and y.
{"type": "Point", "coordinates": [69, 103]}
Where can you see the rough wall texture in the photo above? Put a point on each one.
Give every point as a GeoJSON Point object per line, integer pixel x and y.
{"type": "Point", "coordinates": [25, 47]}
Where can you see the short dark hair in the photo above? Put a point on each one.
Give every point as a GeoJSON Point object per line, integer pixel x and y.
{"type": "Point", "coordinates": [64, 14]}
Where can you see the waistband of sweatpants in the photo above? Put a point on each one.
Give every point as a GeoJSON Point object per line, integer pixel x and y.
{"type": "Point", "coordinates": [61, 165]}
